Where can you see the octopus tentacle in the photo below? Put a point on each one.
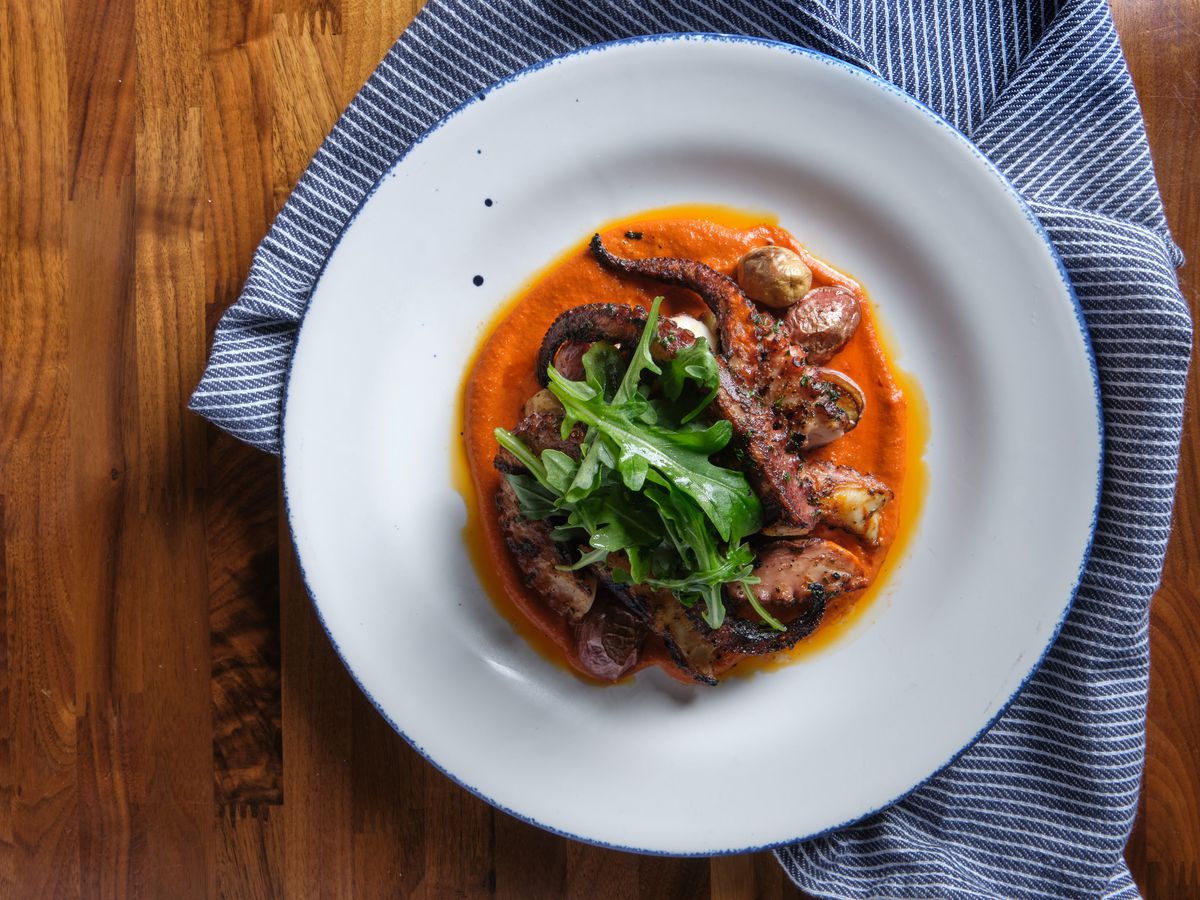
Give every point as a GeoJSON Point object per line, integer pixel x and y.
{"type": "Point", "coordinates": [797, 579]}
{"type": "Point", "coordinates": [850, 500]}
{"type": "Point", "coordinates": [614, 322]}
{"type": "Point", "coordinates": [818, 405]}
{"type": "Point", "coordinates": [751, 637]}
{"type": "Point", "coordinates": [797, 495]}
{"type": "Point", "coordinates": [761, 438]}
{"type": "Point", "coordinates": [742, 326]}
{"type": "Point", "coordinates": [540, 558]}
{"type": "Point", "coordinates": [690, 649]}
{"type": "Point", "coordinates": [776, 472]}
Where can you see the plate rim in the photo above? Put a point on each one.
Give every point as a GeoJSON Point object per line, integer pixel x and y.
{"type": "Point", "coordinates": [939, 121]}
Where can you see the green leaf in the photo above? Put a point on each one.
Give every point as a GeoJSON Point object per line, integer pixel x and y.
{"type": "Point", "coordinates": [639, 564]}
{"type": "Point", "coordinates": [694, 363]}
{"type": "Point", "coordinates": [697, 364]}
{"type": "Point", "coordinates": [702, 440]}
{"type": "Point", "coordinates": [641, 360]}
{"type": "Point", "coordinates": [723, 494]}
{"type": "Point", "coordinates": [762, 613]}
{"type": "Point", "coordinates": [615, 521]}
{"type": "Point", "coordinates": [602, 368]}
{"type": "Point", "coordinates": [587, 476]}
{"type": "Point", "coordinates": [524, 455]}
{"type": "Point", "coordinates": [536, 502]}
{"type": "Point", "coordinates": [641, 410]}
{"type": "Point", "coordinates": [568, 533]}
{"type": "Point", "coordinates": [586, 559]}
{"type": "Point", "coordinates": [560, 469]}
{"type": "Point", "coordinates": [633, 471]}
{"type": "Point", "coordinates": [714, 614]}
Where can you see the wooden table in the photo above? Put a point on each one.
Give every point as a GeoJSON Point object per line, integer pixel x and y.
{"type": "Point", "coordinates": [173, 721]}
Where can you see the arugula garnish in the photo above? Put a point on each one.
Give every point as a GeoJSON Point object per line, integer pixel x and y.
{"type": "Point", "coordinates": [645, 487]}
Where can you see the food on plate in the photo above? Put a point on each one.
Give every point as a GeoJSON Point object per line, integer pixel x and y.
{"type": "Point", "coordinates": [696, 442]}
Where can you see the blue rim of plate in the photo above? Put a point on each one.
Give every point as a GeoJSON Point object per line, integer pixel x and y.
{"type": "Point", "coordinates": [938, 121]}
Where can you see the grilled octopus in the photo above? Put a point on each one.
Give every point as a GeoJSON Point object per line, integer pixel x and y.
{"type": "Point", "coordinates": [780, 402]}
{"type": "Point", "coordinates": [798, 495]}
{"type": "Point", "coordinates": [776, 359]}
{"type": "Point", "coordinates": [796, 580]}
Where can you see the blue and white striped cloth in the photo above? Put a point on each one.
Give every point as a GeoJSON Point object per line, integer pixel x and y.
{"type": "Point", "coordinates": [1043, 804]}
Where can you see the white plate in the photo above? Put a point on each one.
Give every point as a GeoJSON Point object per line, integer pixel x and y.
{"type": "Point", "coordinates": [982, 315]}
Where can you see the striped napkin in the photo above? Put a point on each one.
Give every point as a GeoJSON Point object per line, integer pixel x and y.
{"type": "Point", "coordinates": [1043, 804]}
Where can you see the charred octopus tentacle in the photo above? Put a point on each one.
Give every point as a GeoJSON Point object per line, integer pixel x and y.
{"type": "Point", "coordinates": [797, 579]}
{"type": "Point", "coordinates": [820, 405]}
{"type": "Point", "coordinates": [742, 328]}
{"type": "Point", "coordinates": [608, 638]}
{"type": "Point", "coordinates": [775, 472]}
{"type": "Point", "coordinates": [612, 322]}
{"type": "Point", "coordinates": [774, 359]}
{"type": "Point", "coordinates": [538, 556]}
{"type": "Point", "coordinates": [797, 495]}
{"type": "Point", "coordinates": [687, 641]}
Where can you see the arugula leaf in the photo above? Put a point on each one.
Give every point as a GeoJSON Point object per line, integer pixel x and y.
{"type": "Point", "coordinates": [695, 363]}
{"type": "Point", "coordinates": [758, 608]}
{"type": "Point", "coordinates": [602, 368]}
{"type": "Point", "coordinates": [645, 487]}
{"type": "Point", "coordinates": [524, 455]}
{"type": "Point", "coordinates": [560, 469]}
{"type": "Point", "coordinates": [586, 558]}
{"type": "Point", "coordinates": [703, 440]}
{"type": "Point", "coordinates": [710, 566]}
{"type": "Point", "coordinates": [536, 502]}
{"type": "Point", "coordinates": [641, 360]}
{"type": "Point", "coordinates": [723, 494]}
{"type": "Point", "coordinates": [614, 520]}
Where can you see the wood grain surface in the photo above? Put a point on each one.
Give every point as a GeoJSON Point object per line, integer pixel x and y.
{"type": "Point", "coordinates": [173, 721]}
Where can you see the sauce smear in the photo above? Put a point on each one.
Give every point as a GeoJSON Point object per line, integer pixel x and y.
{"type": "Point", "coordinates": [888, 441]}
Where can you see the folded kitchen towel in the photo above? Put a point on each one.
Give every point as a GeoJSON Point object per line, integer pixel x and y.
{"type": "Point", "coordinates": [1042, 805]}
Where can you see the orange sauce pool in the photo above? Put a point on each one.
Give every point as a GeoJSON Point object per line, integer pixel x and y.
{"type": "Point", "coordinates": [889, 441]}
